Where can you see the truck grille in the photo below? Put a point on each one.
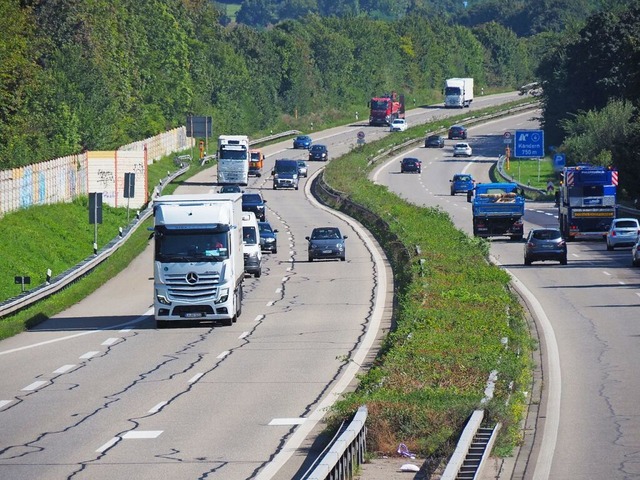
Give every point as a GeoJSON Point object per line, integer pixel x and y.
{"type": "Point", "coordinates": [206, 286]}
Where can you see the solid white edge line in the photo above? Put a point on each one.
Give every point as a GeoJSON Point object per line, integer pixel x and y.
{"type": "Point", "coordinates": [542, 467]}
{"type": "Point", "coordinates": [69, 337]}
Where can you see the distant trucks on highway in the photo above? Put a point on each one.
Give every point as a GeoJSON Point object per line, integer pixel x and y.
{"type": "Point", "coordinates": [385, 109]}
{"type": "Point", "coordinates": [458, 92]}
{"type": "Point", "coordinates": [587, 201]}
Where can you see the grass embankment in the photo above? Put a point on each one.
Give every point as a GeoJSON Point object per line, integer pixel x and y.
{"type": "Point", "coordinates": [59, 236]}
{"type": "Point", "coordinates": [451, 319]}
{"type": "Point", "coordinates": [456, 320]}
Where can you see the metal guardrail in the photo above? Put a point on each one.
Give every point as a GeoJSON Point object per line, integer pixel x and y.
{"type": "Point", "coordinates": [71, 275]}
{"type": "Point", "coordinates": [341, 458]}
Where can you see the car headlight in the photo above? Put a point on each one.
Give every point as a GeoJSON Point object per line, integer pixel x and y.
{"type": "Point", "coordinates": [340, 246]}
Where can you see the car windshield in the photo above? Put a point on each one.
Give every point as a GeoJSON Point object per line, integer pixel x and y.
{"type": "Point", "coordinates": [318, 148]}
{"type": "Point", "coordinates": [397, 120]}
{"type": "Point", "coordinates": [303, 139]}
{"type": "Point", "coordinates": [265, 227]}
{"type": "Point", "coordinates": [546, 234]}
{"type": "Point", "coordinates": [251, 198]}
{"type": "Point", "coordinates": [325, 233]}
{"type": "Point", "coordinates": [249, 235]}
{"type": "Point", "coordinates": [461, 145]}
{"type": "Point", "coordinates": [626, 224]}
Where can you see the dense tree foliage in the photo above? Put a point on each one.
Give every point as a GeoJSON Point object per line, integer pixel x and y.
{"type": "Point", "coordinates": [585, 77]}
{"type": "Point", "coordinates": [81, 75]}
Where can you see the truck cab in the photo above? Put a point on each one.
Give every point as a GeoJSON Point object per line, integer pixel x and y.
{"type": "Point", "coordinates": [256, 162]}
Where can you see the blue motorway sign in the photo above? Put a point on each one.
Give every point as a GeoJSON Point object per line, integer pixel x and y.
{"type": "Point", "coordinates": [528, 144]}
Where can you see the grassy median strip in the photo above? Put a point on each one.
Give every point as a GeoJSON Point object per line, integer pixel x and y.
{"type": "Point", "coordinates": [457, 320]}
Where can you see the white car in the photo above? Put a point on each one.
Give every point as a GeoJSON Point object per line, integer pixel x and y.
{"type": "Point", "coordinates": [462, 150]}
{"type": "Point", "coordinates": [623, 233]}
{"type": "Point", "coordinates": [398, 125]}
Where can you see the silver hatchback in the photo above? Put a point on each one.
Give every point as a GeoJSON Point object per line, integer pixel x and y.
{"type": "Point", "coordinates": [623, 233]}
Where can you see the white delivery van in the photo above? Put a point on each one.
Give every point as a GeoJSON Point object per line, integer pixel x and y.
{"type": "Point", "coordinates": [251, 244]}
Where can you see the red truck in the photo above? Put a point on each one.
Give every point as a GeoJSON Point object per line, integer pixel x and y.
{"type": "Point", "coordinates": [385, 109]}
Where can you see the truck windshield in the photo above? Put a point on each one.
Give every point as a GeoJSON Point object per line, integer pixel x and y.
{"type": "Point", "coordinates": [189, 246]}
{"type": "Point", "coordinates": [452, 91]}
{"type": "Point", "coordinates": [249, 235]}
{"type": "Point", "coordinates": [290, 169]}
{"type": "Point", "coordinates": [379, 104]}
{"type": "Point", "coordinates": [235, 154]}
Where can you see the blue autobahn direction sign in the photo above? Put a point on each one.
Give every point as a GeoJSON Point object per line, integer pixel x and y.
{"type": "Point", "coordinates": [528, 144]}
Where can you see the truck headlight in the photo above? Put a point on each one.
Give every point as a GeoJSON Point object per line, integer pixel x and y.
{"type": "Point", "coordinates": [224, 295]}
{"type": "Point", "coordinates": [162, 299]}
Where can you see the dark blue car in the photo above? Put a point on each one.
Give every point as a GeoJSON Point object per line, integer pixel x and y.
{"type": "Point", "coordinates": [326, 242]}
{"type": "Point", "coordinates": [461, 183]}
{"type": "Point", "coordinates": [302, 141]}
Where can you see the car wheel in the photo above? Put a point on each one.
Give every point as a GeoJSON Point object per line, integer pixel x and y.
{"type": "Point", "coordinates": [310, 258]}
{"type": "Point", "coordinates": [296, 187]}
{"type": "Point", "coordinates": [419, 170]}
{"type": "Point", "coordinates": [227, 322]}
{"type": "Point", "coordinates": [563, 261]}
{"type": "Point", "coordinates": [527, 261]}
{"type": "Point", "coordinates": [163, 324]}
{"type": "Point", "coordinates": [342, 259]}
{"type": "Point", "coordinates": [609, 247]}
{"type": "Point", "coordinates": [453, 193]}
{"type": "Point", "coordinates": [634, 263]}
{"type": "Point", "coordinates": [275, 250]}
{"type": "Point", "coordinates": [258, 273]}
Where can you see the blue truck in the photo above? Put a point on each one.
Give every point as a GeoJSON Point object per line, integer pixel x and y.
{"type": "Point", "coordinates": [587, 201]}
{"type": "Point", "coordinates": [497, 210]}
{"type": "Point", "coordinates": [461, 183]}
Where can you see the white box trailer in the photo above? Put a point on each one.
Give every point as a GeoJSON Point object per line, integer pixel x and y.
{"type": "Point", "coordinates": [458, 92]}
{"type": "Point", "coordinates": [198, 258]}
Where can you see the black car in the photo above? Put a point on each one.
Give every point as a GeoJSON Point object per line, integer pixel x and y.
{"type": "Point", "coordinates": [231, 188]}
{"type": "Point", "coordinates": [434, 141]}
{"type": "Point", "coordinates": [253, 202]}
{"type": "Point", "coordinates": [268, 237]}
{"type": "Point", "coordinates": [545, 244]}
{"type": "Point", "coordinates": [326, 242]}
{"type": "Point", "coordinates": [319, 152]}
{"type": "Point", "coordinates": [457, 132]}
{"type": "Point", "coordinates": [410, 164]}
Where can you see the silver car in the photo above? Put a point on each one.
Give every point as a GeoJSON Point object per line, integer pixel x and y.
{"type": "Point", "coordinates": [635, 254]}
{"type": "Point", "coordinates": [462, 150]}
{"type": "Point", "coordinates": [302, 168]}
{"type": "Point", "coordinates": [623, 233]}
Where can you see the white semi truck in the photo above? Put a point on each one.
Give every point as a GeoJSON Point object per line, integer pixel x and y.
{"type": "Point", "coordinates": [198, 258]}
{"type": "Point", "coordinates": [233, 159]}
{"type": "Point", "coordinates": [458, 92]}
